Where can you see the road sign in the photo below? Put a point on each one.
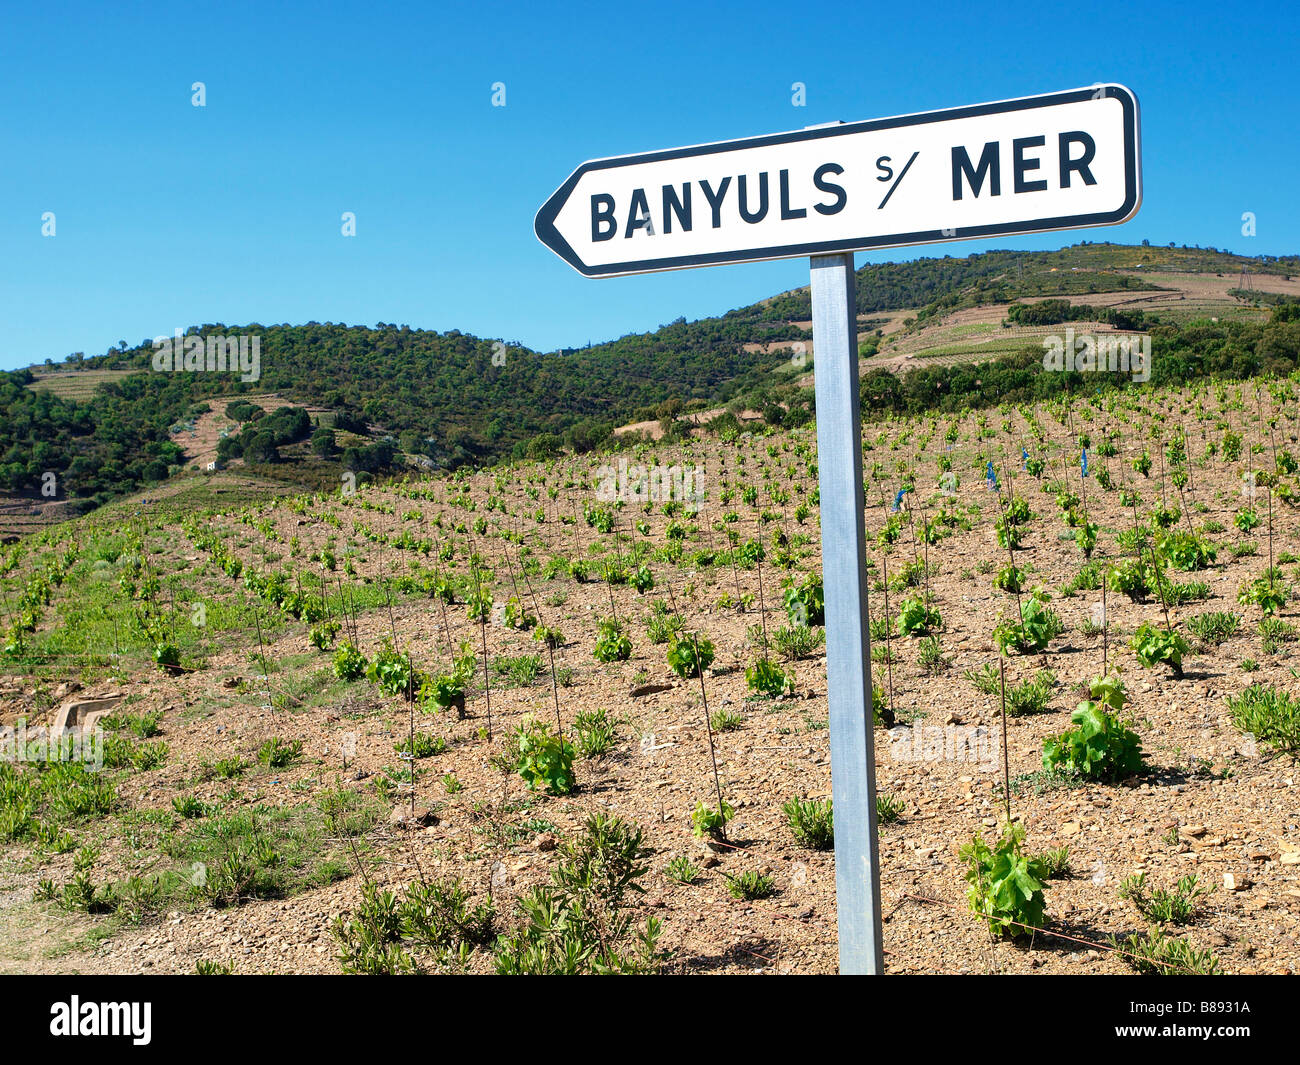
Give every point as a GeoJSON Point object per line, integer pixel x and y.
{"type": "Point", "coordinates": [1066, 160]}
{"type": "Point", "coordinates": [1060, 161]}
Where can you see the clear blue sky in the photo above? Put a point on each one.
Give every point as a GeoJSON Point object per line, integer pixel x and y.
{"type": "Point", "coordinates": [170, 215]}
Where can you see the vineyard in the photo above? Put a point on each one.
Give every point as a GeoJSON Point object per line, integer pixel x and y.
{"type": "Point", "coordinates": [511, 721]}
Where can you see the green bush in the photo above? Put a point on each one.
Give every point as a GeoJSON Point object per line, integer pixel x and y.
{"type": "Point", "coordinates": [1271, 716]}
{"type": "Point", "coordinates": [1100, 746]}
{"type": "Point", "coordinates": [543, 759]}
{"type": "Point", "coordinates": [812, 821]}
{"type": "Point", "coordinates": [1005, 887]}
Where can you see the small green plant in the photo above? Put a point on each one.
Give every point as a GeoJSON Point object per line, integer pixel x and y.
{"type": "Point", "coordinates": [612, 645]}
{"type": "Point", "coordinates": [421, 745]}
{"type": "Point", "coordinates": [168, 657]}
{"type": "Point", "coordinates": [1270, 715]}
{"type": "Point", "coordinates": [767, 678]}
{"type": "Point", "coordinates": [689, 654]}
{"type": "Point", "coordinates": [889, 808]}
{"type": "Point", "coordinates": [797, 641]}
{"type": "Point", "coordinates": [1156, 954]}
{"type": "Point", "coordinates": [1010, 579]}
{"type": "Point", "coordinates": [189, 806]}
{"type": "Point", "coordinates": [550, 635]}
{"type": "Point", "coordinates": [1187, 552]}
{"type": "Point", "coordinates": [682, 870]}
{"type": "Point", "coordinates": [1153, 645]}
{"type": "Point", "coordinates": [322, 635]}
{"type": "Point", "coordinates": [1161, 906]}
{"type": "Point", "coordinates": [595, 732]}
{"type": "Point", "coordinates": [930, 655]}
{"type": "Point", "coordinates": [444, 692]}
{"type": "Point", "coordinates": [349, 663]}
{"type": "Point", "coordinates": [1130, 577]}
{"type": "Point", "coordinates": [812, 821]}
{"type": "Point", "coordinates": [276, 753]}
{"type": "Point", "coordinates": [917, 619]}
{"type": "Point", "coordinates": [1055, 862]}
{"type": "Point", "coordinates": [1031, 696]}
{"type": "Point", "coordinates": [663, 625]}
{"type": "Point", "coordinates": [394, 673]}
{"type": "Point", "coordinates": [1005, 886]}
{"type": "Point", "coordinates": [711, 822]}
{"type": "Point", "coordinates": [1215, 627]}
{"type": "Point", "coordinates": [726, 719]}
{"type": "Point", "coordinates": [750, 885]}
{"type": "Point", "coordinates": [514, 615]}
{"type": "Point", "coordinates": [1038, 626]}
{"type": "Point", "coordinates": [579, 922]}
{"type": "Point", "coordinates": [543, 759]}
{"type": "Point", "coordinates": [1264, 592]}
{"type": "Point", "coordinates": [805, 603]}
{"type": "Point", "coordinates": [1100, 746]}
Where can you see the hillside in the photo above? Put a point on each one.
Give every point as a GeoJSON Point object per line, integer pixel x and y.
{"type": "Point", "coordinates": [109, 424]}
{"type": "Point", "coordinates": [315, 699]}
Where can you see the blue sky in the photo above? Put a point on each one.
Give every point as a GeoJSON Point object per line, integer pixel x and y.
{"type": "Point", "coordinates": [172, 215]}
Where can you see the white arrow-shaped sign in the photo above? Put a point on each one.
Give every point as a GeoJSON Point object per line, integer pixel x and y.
{"type": "Point", "coordinates": [1060, 161]}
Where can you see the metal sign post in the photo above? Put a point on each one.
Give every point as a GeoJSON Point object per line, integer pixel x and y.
{"type": "Point", "coordinates": [848, 642]}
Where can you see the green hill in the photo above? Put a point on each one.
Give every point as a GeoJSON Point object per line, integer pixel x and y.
{"type": "Point", "coordinates": [451, 399]}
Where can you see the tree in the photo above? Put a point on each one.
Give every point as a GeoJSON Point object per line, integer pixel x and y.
{"type": "Point", "coordinates": [322, 443]}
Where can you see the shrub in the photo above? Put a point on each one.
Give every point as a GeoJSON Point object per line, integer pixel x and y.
{"type": "Point", "coordinates": [1005, 887]}
{"type": "Point", "coordinates": [767, 678]}
{"type": "Point", "coordinates": [682, 870]}
{"type": "Point", "coordinates": [578, 923]}
{"type": "Point", "coordinates": [275, 753]}
{"type": "Point", "coordinates": [1100, 747]}
{"type": "Point", "coordinates": [595, 732]}
{"type": "Point", "coordinates": [349, 663]}
{"type": "Point", "coordinates": [1031, 696]}
{"type": "Point", "coordinates": [798, 641]}
{"type": "Point", "coordinates": [812, 821]}
{"type": "Point", "coordinates": [1161, 906]}
{"type": "Point", "coordinates": [1156, 954]}
{"type": "Point", "coordinates": [689, 654]}
{"type": "Point", "coordinates": [1271, 716]}
{"type": "Point", "coordinates": [889, 808]}
{"type": "Point", "coordinates": [543, 759]}
{"type": "Point", "coordinates": [663, 625]}
{"type": "Point", "coordinates": [1153, 645]}
{"type": "Point", "coordinates": [1215, 627]}
{"type": "Point", "coordinates": [749, 885]}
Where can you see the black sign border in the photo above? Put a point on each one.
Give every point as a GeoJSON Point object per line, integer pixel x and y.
{"type": "Point", "coordinates": [549, 235]}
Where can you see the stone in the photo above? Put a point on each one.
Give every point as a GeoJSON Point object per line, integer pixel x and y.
{"type": "Point", "coordinates": [402, 817]}
{"type": "Point", "coordinates": [84, 713]}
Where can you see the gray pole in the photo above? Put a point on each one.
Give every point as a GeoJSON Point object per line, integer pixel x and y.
{"type": "Point", "coordinates": [848, 646]}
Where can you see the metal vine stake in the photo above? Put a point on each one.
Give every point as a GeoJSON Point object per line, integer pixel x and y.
{"type": "Point", "coordinates": [708, 728]}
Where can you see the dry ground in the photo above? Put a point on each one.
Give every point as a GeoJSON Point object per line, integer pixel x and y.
{"type": "Point", "coordinates": [1210, 804]}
